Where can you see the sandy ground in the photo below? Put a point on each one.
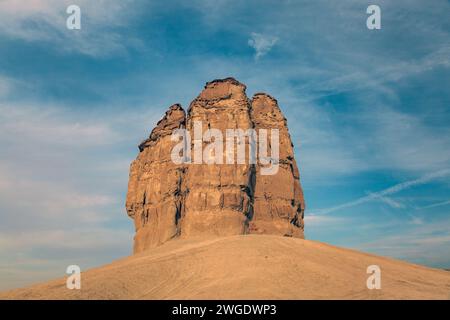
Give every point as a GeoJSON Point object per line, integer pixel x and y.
{"type": "Point", "coordinates": [247, 267]}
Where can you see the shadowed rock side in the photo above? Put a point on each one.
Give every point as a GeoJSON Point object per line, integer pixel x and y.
{"type": "Point", "coordinates": [153, 198]}
{"type": "Point", "coordinates": [167, 200]}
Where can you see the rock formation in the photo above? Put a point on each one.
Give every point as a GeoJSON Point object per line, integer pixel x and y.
{"type": "Point", "coordinates": [153, 198]}
{"type": "Point", "coordinates": [278, 199]}
{"type": "Point", "coordinates": [168, 200]}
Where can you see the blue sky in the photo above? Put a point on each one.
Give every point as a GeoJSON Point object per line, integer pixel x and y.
{"type": "Point", "coordinates": [368, 113]}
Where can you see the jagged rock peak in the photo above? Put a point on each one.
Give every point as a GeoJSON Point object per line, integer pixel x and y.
{"type": "Point", "coordinates": [221, 89]}
{"type": "Point", "coordinates": [174, 118]}
{"type": "Point", "coordinates": [230, 80]}
{"type": "Point", "coordinates": [265, 109]}
{"type": "Point", "coordinates": [264, 95]}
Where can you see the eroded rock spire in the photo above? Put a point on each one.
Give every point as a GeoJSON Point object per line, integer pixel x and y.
{"type": "Point", "coordinates": [199, 199]}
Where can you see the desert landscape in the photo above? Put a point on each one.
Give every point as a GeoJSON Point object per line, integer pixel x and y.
{"type": "Point", "coordinates": [227, 230]}
{"type": "Point", "coordinates": [247, 267]}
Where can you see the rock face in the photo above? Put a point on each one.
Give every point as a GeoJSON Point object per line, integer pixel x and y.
{"type": "Point", "coordinates": [218, 197]}
{"type": "Point", "coordinates": [216, 194]}
{"type": "Point", "coordinates": [278, 199]}
{"type": "Point", "coordinates": [153, 198]}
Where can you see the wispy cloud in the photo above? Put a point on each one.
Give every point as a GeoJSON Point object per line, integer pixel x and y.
{"type": "Point", "coordinates": [60, 199]}
{"type": "Point", "coordinates": [261, 43]}
{"type": "Point", "coordinates": [317, 220]}
{"type": "Point", "coordinates": [423, 243]}
{"type": "Point", "coordinates": [380, 195]}
{"type": "Point", "coordinates": [51, 126]}
{"type": "Point", "coordinates": [391, 202]}
{"type": "Point", "coordinates": [45, 20]}
{"type": "Point", "coordinates": [67, 239]}
{"type": "Point", "coordinates": [378, 78]}
{"type": "Point", "coordinates": [5, 86]}
{"type": "Point", "coordinates": [437, 204]}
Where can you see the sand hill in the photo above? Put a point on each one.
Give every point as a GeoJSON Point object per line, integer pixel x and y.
{"type": "Point", "coordinates": [247, 267]}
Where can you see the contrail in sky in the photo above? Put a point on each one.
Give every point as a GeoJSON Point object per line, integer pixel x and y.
{"type": "Point", "coordinates": [386, 192]}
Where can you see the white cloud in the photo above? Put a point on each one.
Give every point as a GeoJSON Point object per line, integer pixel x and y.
{"type": "Point", "coordinates": [406, 143]}
{"type": "Point", "coordinates": [45, 20]}
{"type": "Point", "coordinates": [66, 239]}
{"type": "Point", "coordinates": [61, 184]}
{"type": "Point", "coordinates": [313, 220]}
{"type": "Point", "coordinates": [49, 125]}
{"type": "Point", "coordinates": [40, 203]}
{"type": "Point", "coordinates": [417, 220]}
{"type": "Point", "coordinates": [354, 78]}
{"type": "Point", "coordinates": [261, 43]}
{"type": "Point", "coordinates": [372, 138]}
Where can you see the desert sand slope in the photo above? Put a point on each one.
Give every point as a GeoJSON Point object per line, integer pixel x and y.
{"type": "Point", "coordinates": [247, 267]}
